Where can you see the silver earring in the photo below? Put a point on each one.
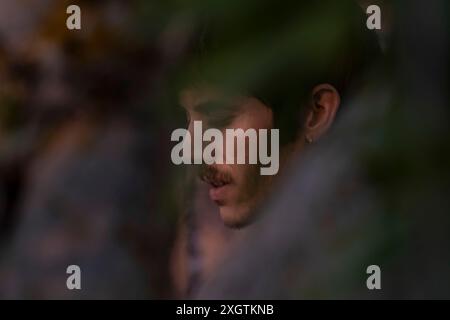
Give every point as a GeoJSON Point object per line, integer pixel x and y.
{"type": "Point", "coordinates": [308, 139]}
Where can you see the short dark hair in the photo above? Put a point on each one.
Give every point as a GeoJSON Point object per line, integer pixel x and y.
{"type": "Point", "coordinates": [277, 52]}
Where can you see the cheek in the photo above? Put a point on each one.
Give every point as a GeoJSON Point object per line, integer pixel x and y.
{"type": "Point", "coordinates": [259, 116]}
{"type": "Point", "coordinates": [246, 176]}
{"type": "Point", "coordinates": [238, 172]}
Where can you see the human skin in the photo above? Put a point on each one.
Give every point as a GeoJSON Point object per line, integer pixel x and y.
{"type": "Point", "coordinates": [239, 189]}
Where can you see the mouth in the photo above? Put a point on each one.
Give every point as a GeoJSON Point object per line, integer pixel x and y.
{"type": "Point", "coordinates": [219, 186]}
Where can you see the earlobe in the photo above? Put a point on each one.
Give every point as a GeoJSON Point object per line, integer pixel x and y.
{"type": "Point", "coordinates": [325, 103]}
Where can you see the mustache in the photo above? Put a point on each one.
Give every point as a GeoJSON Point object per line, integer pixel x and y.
{"type": "Point", "coordinates": [212, 175]}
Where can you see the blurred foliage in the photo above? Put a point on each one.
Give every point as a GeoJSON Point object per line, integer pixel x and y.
{"type": "Point", "coordinates": [85, 171]}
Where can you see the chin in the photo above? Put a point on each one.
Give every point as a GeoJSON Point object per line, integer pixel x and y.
{"type": "Point", "coordinates": [235, 217]}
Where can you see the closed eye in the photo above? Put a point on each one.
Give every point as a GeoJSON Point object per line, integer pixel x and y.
{"type": "Point", "coordinates": [218, 114]}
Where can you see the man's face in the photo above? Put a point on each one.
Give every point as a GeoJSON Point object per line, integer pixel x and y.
{"type": "Point", "coordinates": [237, 189]}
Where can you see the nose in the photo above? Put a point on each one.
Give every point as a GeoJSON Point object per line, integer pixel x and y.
{"type": "Point", "coordinates": [216, 149]}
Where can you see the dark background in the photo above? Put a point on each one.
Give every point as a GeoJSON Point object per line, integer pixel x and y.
{"type": "Point", "coordinates": [86, 176]}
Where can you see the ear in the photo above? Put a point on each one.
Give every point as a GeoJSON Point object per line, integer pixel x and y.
{"type": "Point", "coordinates": [324, 105]}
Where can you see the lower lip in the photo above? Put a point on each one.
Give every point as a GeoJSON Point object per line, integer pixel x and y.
{"type": "Point", "coordinates": [218, 193]}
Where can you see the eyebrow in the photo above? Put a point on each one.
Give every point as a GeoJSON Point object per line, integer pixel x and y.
{"type": "Point", "coordinates": [218, 114]}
